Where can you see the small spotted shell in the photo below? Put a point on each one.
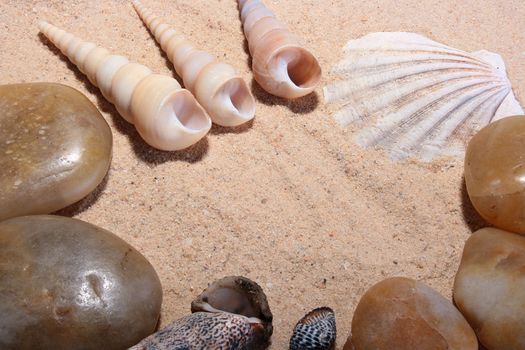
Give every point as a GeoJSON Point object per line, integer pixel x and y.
{"type": "Point", "coordinates": [237, 295]}
{"type": "Point", "coordinates": [315, 331]}
{"type": "Point", "coordinates": [203, 330]}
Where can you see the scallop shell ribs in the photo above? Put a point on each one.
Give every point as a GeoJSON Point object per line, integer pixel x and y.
{"type": "Point", "coordinates": [416, 97]}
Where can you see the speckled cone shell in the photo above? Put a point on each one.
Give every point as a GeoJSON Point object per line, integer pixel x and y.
{"type": "Point", "coordinates": [281, 65]}
{"type": "Point", "coordinates": [165, 115]}
{"type": "Point", "coordinates": [216, 85]}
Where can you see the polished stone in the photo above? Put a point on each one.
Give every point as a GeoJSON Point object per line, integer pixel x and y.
{"type": "Point", "coordinates": [403, 314]}
{"type": "Point", "coordinates": [55, 148]}
{"type": "Point", "coordinates": [490, 288]}
{"type": "Point", "coordinates": [67, 284]}
{"type": "Point", "coordinates": [495, 173]}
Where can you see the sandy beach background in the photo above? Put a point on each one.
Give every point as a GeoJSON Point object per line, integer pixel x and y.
{"type": "Point", "coordinates": [288, 200]}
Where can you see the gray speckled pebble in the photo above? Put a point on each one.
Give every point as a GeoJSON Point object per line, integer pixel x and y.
{"type": "Point", "coordinates": [67, 284]}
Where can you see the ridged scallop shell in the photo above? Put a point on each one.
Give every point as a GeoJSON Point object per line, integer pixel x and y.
{"type": "Point", "coordinates": [202, 330]}
{"type": "Point", "coordinates": [280, 64]}
{"type": "Point", "coordinates": [417, 97]}
{"type": "Point", "coordinates": [315, 331]}
{"type": "Point", "coordinates": [165, 115]}
{"type": "Point", "coordinates": [216, 85]}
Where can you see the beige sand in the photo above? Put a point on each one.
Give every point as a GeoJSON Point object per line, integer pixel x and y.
{"type": "Point", "coordinates": [288, 200]}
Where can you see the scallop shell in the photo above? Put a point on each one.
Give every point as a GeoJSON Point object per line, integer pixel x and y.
{"type": "Point", "coordinates": [281, 65]}
{"type": "Point", "coordinates": [238, 295]}
{"type": "Point", "coordinates": [416, 97]}
{"type": "Point", "coordinates": [202, 330]}
{"type": "Point", "coordinates": [165, 115]}
{"type": "Point", "coordinates": [217, 86]}
{"type": "Point", "coordinates": [315, 331]}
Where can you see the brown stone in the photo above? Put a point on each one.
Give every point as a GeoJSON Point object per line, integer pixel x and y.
{"type": "Point", "coordinates": [490, 288]}
{"type": "Point", "coordinates": [55, 148]}
{"type": "Point", "coordinates": [495, 173]}
{"type": "Point", "coordinates": [67, 284]}
{"type": "Point", "coordinates": [403, 314]}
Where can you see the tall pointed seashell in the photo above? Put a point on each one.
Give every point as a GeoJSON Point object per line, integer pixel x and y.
{"type": "Point", "coordinates": [280, 64]}
{"type": "Point", "coordinates": [165, 115]}
{"type": "Point", "coordinates": [417, 97]}
{"type": "Point", "coordinates": [216, 85]}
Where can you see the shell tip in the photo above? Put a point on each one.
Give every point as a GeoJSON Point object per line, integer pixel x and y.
{"type": "Point", "coordinates": [42, 24]}
{"type": "Point", "coordinates": [136, 4]}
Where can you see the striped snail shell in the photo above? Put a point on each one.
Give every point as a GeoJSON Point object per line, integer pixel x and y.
{"type": "Point", "coordinates": [315, 331]}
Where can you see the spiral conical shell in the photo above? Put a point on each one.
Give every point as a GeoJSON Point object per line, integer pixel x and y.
{"type": "Point", "coordinates": [216, 85]}
{"type": "Point", "coordinates": [281, 65]}
{"type": "Point", "coordinates": [165, 115]}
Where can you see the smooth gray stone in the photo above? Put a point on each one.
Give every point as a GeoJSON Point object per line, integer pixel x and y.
{"type": "Point", "coordinates": [67, 284]}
